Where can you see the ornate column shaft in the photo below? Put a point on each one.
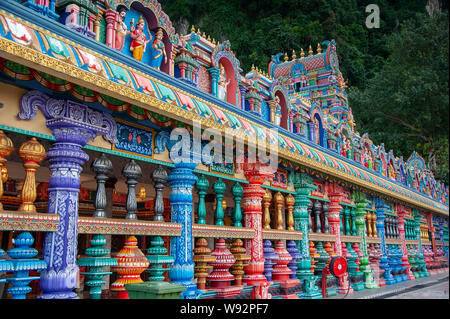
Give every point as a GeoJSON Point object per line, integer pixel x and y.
{"type": "Point", "coordinates": [279, 200]}
{"type": "Point", "coordinates": [290, 201]}
{"type": "Point", "coordinates": [317, 208]}
{"type": "Point", "coordinates": [402, 213]}
{"type": "Point", "coordinates": [32, 152]}
{"type": "Point", "coordinates": [181, 181]}
{"type": "Point", "coordinates": [267, 199]}
{"type": "Point", "coordinates": [215, 75]}
{"type": "Point", "coordinates": [237, 192]}
{"type": "Point", "coordinates": [73, 125]}
{"type": "Point", "coordinates": [432, 231]}
{"type": "Point", "coordinates": [110, 16]}
{"type": "Point", "coordinates": [255, 174]}
{"type": "Point", "coordinates": [380, 206]}
{"type": "Point", "coordinates": [242, 90]}
{"type": "Point", "coordinates": [361, 203]}
{"type": "Point", "coordinates": [202, 186]}
{"type": "Point", "coordinates": [219, 188]}
{"type": "Point", "coordinates": [303, 185]}
{"type": "Point", "coordinates": [159, 177]}
{"type": "Point", "coordinates": [6, 148]}
{"type": "Point", "coordinates": [336, 194]}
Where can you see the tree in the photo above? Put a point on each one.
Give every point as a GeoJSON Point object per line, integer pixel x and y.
{"type": "Point", "coordinates": [406, 102]}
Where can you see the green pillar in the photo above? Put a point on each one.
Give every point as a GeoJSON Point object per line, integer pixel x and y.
{"type": "Point", "coordinates": [353, 214]}
{"type": "Point", "coordinates": [347, 221]}
{"type": "Point", "coordinates": [219, 187]}
{"type": "Point", "coordinates": [422, 264]}
{"type": "Point", "coordinates": [360, 212]}
{"type": "Point", "coordinates": [202, 186]}
{"type": "Point", "coordinates": [303, 185]}
{"type": "Point", "coordinates": [237, 192]}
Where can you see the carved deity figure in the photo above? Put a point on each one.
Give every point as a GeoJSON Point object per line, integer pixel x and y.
{"type": "Point", "coordinates": [139, 43]}
{"type": "Point", "coordinates": [159, 50]}
{"type": "Point", "coordinates": [316, 130]}
{"type": "Point", "coordinates": [223, 84]}
{"type": "Point", "coordinates": [391, 171]}
{"type": "Point", "coordinates": [348, 148]}
{"type": "Point", "coordinates": [368, 159]}
{"type": "Point", "coordinates": [121, 29]}
{"type": "Point", "coordinates": [277, 111]}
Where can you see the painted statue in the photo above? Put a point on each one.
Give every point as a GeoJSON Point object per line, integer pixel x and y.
{"type": "Point", "coordinates": [316, 130]}
{"type": "Point", "coordinates": [139, 43]}
{"type": "Point", "coordinates": [277, 111]}
{"type": "Point", "coordinates": [368, 159]}
{"type": "Point", "coordinates": [121, 29]}
{"type": "Point", "coordinates": [223, 84]}
{"type": "Point", "coordinates": [346, 148]}
{"type": "Point", "coordinates": [159, 51]}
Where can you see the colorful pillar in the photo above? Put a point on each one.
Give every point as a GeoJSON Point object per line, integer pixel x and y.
{"type": "Point", "coordinates": [255, 174]}
{"type": "Point", "coordinates": [361, 203]}
{"type": "Point", "coordinates": [380, 206]}
{"type": "Point", "coordinates": [303, 185]}
{"type": "Point", "coordinates": [402, 213]}
{"type": "Point", "coordinates": [336, 194]}
{"type": "Point", "coordinates": [181, 181]}
{"type": "Point", "coordinates": [202, 186]}
{"type": "Point", "coordinates": [73, 125]}
{"type": "Point", "coordinates": [215, 75]}
{"type": "Point", "coordinates": [421, 261]}
{"type": "Point", "coordinates": [432, 230]}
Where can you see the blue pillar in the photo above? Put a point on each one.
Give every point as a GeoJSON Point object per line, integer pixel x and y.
{"type": "Point", "coordinates": [181, 181]}
{"type": "Point", "coordinates": [380, 206]}
{"type": "Point", "coordinates": [243, 90]}
{"type": "Point", "coordinates": [215, 76]}
{"type": "Point", "coordinates": [73, 125]}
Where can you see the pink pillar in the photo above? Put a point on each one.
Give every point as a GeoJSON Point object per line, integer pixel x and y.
{"type": "Point", "coordinates": [110, 16]}
{"type": "Point", "coordinates": [91, 22]}
{"type": "Point", "coordinates": [402, 213]}
{"type": "Point", "coordinates": [432, 230]}
{"type": "Point", "coordinates": [336, 194]}
{"type": "Point", "coordinates": [291, 121]}
{"type": "Point", "coordinates": [182, 68]}
{"type": "Point", "coordinates": [253, 193]}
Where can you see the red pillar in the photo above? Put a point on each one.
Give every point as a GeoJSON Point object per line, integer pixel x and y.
{"type": "Point", "coordinates": [255, 174]}
{"type": "Point", "coordinates": [336, 194]}
{"type": "Point", "coordinates": [433, 238]}
{"type": "Point", "coordinates": [110, 17]}
{"type": "Point", "coordinates": [182, 68]}
{"type": "Point", "coordinates": [402, 213]}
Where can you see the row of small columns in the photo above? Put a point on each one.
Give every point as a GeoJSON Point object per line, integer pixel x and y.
{"type": "Point", "coordinates": [131, 190]}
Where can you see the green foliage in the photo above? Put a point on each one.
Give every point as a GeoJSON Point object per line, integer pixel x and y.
{"type": "Point", "coordinates": [406, 103]}
{"type": "Point", "coordinates": [397, 74]}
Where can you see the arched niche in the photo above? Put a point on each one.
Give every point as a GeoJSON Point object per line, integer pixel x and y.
{"type": "Point", "coordinates": [222, 55]}
{"type": "Point", "coordinates": [280, 91]}
{"type": "Point", "coordinates": [284, 123]}
{"type": "Point", "coordinates": [316, 118]}
{"type": "Point", "coordinates": [230, 74]}
{"type": "Point", "coordinates": [152, 15]}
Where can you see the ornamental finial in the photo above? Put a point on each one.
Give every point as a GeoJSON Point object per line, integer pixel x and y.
{"type": "Point", "coordinates": [302, 54]}
{"type": "Point", "coordinates": [286, 58]}
{"type": "Point", "coordinates": [319, 48]}
{"type": "Point", "coordinates": [310, 52]}
{"type": "Point", "coordinates": [294, 56]}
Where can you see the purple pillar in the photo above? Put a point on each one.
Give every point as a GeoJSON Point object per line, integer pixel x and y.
{"type": "Point", "coordinates": [243, 90]}
{"type": "Point", "coordinates": [73, 125]}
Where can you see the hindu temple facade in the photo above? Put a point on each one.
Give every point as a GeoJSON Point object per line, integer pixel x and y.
{"type": "Point", "coordinates": [99, 99]}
